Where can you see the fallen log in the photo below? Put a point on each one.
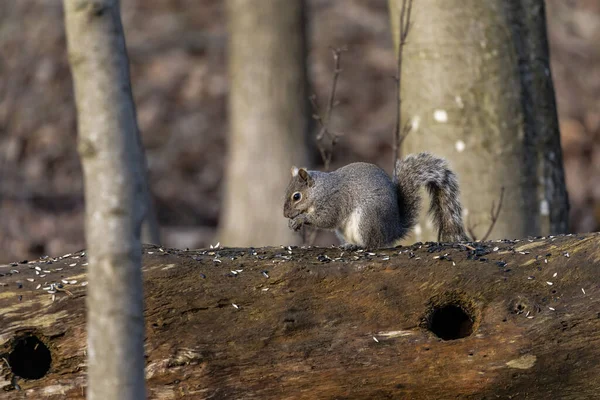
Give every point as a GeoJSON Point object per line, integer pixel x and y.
{"type": "Point", "coordinates": [505, 319]}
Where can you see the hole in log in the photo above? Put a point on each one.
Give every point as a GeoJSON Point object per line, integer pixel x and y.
{"type": "Point", "coordinates": [452, 315]}
{"type": "Point", "coordinates": [450, 322]}
{"type": "Point", "coordinates": [30, 358]}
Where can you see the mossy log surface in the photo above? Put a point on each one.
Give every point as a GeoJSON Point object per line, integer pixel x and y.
{"type": "Point", "coordinates": [279, 323]}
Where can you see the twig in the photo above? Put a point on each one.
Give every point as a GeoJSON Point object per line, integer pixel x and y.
{"type": "Point", "coordinates": [403, 29]}
{"type": "Point", "coordinates": [471, 228]}
{"type": "Point", "coordinates": [325, 133]}
{"type": "Point", "coordinates": [494, 213]}
{"type": "Point", "coordinates": [323, 120]}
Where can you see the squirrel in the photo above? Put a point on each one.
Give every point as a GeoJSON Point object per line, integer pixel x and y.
{"type": "Point", "coordinates": [368, 209]}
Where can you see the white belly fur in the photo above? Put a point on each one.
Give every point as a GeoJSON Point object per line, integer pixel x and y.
{"type": "Point", "coordinates": [351, 231]}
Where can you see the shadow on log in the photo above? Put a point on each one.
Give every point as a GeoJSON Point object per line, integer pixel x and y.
{"type": "Point", "coordinates": [500, 319]}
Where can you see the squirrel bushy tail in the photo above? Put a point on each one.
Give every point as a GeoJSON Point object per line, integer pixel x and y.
{"type": "Point", "coordinates": [424, 169]}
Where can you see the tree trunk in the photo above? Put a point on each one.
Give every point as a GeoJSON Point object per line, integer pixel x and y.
{"type": "Point", "coordinates": [115, 194]}
{"type": "Point", "coordinates": [528, 29]}
{"type": "Point", "coordinates": [511, 319]}
{"type": "Point", "coordinates": [476, 80]}
{"type": "Point", "coordinates": [268, 124]}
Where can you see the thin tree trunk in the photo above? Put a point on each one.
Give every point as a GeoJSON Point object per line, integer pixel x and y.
{"type": "Point", "coordinates": [466, 79]}
{"type": "Point", "coordinates": [115, 192]}
{"type": "Point", "coordinates": [267, 114]}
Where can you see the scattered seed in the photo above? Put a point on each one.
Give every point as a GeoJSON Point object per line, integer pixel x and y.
{"type": "Point", "coordinates": [85, 283]}
{"type": "Point", "coordinates": [583, 290]}
{"type": "Point", "coordinates": [554, 276]}
{"type": "Point", "coordinates": [30, 279]}
{"type": "Point", "coordinates": [551, 309]}
{"type": "Point", "coordinates": [550, 283]}
{"type": "Point", "coordinates": [46, 271]}
{"type": "Point", "coordinates": [265, 274]}
{"type": "Point", "coordinates": [72, 265]}
{"type": "Point", "coordinates": [375, 339]}
{"type": "Point", "coordinates": [38, 268]}
{"type": "Point", "coordinates": [235, 306]}
{"type": "Point", "coordinates": [72, 282]}
{"type": "Point", "coordinates": [38, 286]}
{"type": "Point", "coordinates": [545, 261]}
{"type": "Point", "coordinates": [265, 289]}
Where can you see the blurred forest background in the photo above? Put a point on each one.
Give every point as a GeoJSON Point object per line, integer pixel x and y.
{"type": "Point", "coordinates": [177, 51]}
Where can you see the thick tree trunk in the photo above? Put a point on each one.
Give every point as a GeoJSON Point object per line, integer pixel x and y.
{"type": "Point", "coordinates": [528, 27]}
{"type": "Point", "coordinates": [116, 197]}
{"type": "Point", "coordinates": [268, 124]}
{"type": "Point", "coordinates": [476, 79]}
{"type": "Point", "coordinates": [507, 320]}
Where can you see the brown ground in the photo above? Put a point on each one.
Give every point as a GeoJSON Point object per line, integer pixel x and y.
{"type": "Point", "coordinates": [177, 51]}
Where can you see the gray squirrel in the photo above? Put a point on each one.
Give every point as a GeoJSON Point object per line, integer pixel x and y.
{"type": "Point", "coordinates": [368, 209]}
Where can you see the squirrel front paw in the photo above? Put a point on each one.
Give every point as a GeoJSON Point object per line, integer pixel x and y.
{"type": "Point", "coordinates": [349, 247]}
{"type": "Point", "coordinates": [295, 223]}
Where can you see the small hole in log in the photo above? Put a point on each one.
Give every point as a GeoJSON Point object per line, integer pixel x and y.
{"type": "Point", "coordinates": [450, 322]}
{"type": "Point", "coordinates": [30, 358]}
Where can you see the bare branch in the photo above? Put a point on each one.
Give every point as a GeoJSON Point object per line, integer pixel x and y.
{"type": "Point", "coordinates": [471, 229]}
{"type": "Point", "coordinates": [494, 215]}
{"type": "Point", "coordinates": [325, 132]}
{"type": "Point", "coordinates": [403, 29]}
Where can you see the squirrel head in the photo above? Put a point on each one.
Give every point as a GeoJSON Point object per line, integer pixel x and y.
{"type": "Point", "coordinates": [297, 198]}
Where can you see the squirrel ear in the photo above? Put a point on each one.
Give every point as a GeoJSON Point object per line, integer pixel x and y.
{"type": "Point", "coordinates": [294, 171]}
{"type": "Point", "coordinates": [305, 176]}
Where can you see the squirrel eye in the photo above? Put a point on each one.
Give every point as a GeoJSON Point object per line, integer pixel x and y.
{"type": "Point", "coordinates": [296, 196]}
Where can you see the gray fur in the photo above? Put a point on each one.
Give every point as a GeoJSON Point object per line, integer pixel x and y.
{"type": "Point", "coordinates": [368, 209]}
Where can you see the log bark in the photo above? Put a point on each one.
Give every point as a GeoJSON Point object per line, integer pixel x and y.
{"type": "Point", "coordinates": [116, 197]}
{"type": "Point", "coordinates": [279, 323]}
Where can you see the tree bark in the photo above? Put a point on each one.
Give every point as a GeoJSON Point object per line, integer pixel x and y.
{"type": "Point", "coordinates": [268, 124]}
{"type": "Point", "coordinates": [528, 27]}
{"type": "Point", "coordinates": [115, 194]}
{"type": "Point", "coordinates": [476, 80]}
{"type": "Point", "coordinates": [519, 320]}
